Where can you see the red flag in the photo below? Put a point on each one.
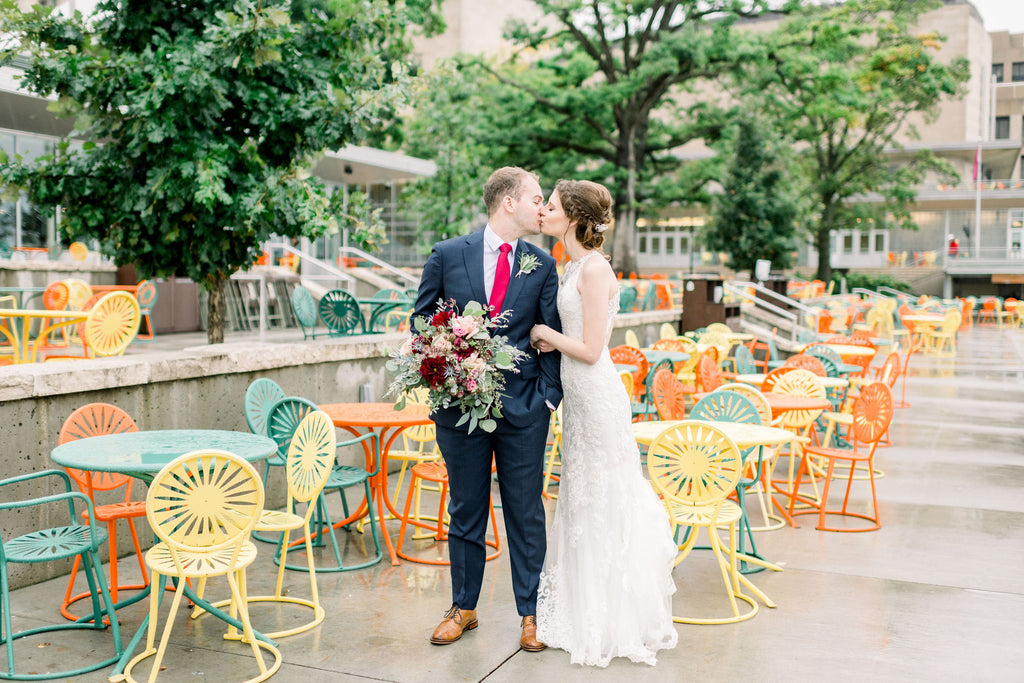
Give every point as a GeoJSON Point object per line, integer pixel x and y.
{"type": "Point", "coordinates": [977, 162]}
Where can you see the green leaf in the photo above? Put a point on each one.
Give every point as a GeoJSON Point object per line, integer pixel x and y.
{"type": "Point", "coordinates": [488, 425]}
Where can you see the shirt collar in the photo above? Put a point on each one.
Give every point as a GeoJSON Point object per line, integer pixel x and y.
{"type": "Point", "coordinates": [493, 243]}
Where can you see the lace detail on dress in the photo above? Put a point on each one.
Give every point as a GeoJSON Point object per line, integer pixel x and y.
{"type": "Point", "coordinates": [607, 582]}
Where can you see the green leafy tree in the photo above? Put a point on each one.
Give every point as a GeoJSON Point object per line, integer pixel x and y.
{"type": "Point", "coordinates": [202, 121]}
{"type": "Point", "coordinates": [600, 92]}
{"type": "Point", "coordinates": [845, 83]}
{"type": "Point", "coordinates": [754, 217]}
{"type": "Point", "coordinates": [449, 123]}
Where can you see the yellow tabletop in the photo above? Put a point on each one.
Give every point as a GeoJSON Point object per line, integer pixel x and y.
{"type": "Point", "coordinates": [740, 337]}
{"type": "Point", "coordinates": [745, 435]}
{"type": "Point", "coordinates": [23, 348]}
{"type": "Point", "coordinates": [923, 318]}
{"type": "Point", "coordinates": [757, 379]}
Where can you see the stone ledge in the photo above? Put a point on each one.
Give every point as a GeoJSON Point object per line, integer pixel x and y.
{"type": "Point", "coordinates": [70, 377]}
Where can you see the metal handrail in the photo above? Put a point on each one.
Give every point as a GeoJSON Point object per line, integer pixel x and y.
{"type": "Point", "coordinates": [868, 293]}
{"type": "Point", "coordinates": [350, 282]}
{"type": "Point", "coordinates": [775, 295]}
{"type": "Point", "coordinates": [894, 292]}
{"type": "Point", "coordinates": [359, 253]}
{"type": "Point", "coordinates": [739, 289]}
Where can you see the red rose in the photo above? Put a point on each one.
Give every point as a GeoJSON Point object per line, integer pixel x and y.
{"type": "Point", "coordinates": [432, 370]}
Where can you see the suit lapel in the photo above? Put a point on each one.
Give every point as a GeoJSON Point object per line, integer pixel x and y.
{"type": "Point", "coordinates": [473, 255]}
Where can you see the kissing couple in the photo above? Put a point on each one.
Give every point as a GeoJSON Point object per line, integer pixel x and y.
{"type": "Point", "coordinates": [601, 585]}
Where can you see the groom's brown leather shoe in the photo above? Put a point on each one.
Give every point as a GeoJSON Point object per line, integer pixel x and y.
{"type": "Point", "coordinates": [528, 640]}
{"type": "Point", "coordinates": [455, 623]}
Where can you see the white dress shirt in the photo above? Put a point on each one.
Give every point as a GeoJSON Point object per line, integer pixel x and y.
{"type": "Point", "coordinates": [492, 251]}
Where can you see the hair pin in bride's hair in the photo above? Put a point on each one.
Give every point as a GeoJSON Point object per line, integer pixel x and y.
{"type": "Point", "coordinates": [600, 227]}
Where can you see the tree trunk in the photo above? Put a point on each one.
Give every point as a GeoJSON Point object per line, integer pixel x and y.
{"type": "Point", "coordinates": [623, 252]}
{"type": "Point", "coordinates": [823, 239]}
{"type": "Point", "coordinates": [215, 319]}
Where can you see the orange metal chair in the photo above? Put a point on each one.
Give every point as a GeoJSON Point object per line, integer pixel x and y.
{"type": "Point", "coordinates": [628, 355]}
{"type": "Point", "coordinates": [435, 471]}
{"type": "Point", "coordinates": [96, 419]}
{"type": "Point", "coordinates": [669, 398]}
{"type": "Point", "coordinates": [709, 377]}
{"type": "Point", "coordinates": [989, 311]}
{"type": "Point", "coordinates": [806, 362]}
{"type": "Point", "coordinates": [872, 415]}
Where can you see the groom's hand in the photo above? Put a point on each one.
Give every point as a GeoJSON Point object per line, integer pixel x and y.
{"type": "Point", "coordinates": [542, 346]}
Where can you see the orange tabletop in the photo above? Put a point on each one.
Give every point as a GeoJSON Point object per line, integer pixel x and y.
{"type": "Point", "coordinates": [387, 423]}
{"type": "Point", "coordinates": [851, 350]}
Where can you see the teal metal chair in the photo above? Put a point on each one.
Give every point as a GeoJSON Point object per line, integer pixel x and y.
{"type": "Point", "coordinates": [743, 360]}
{"type": "Point", "coordinates": [260, 397]}
{"type": "Point", "coordinates": [383, 302]}
{"type": "Point", "coordinates": [646, 409]}
{"type": "Point", "coordinates": [146, 294]}
{"type": "Point", "coordinates": [627, 299]}
{"type": "Point", "coordinates": [304, 307]}
{"type": "Point", "coordinates": [285, 417]}
{"type": "Point", "coordinates": [56, 543]}
{"type": "Point", "coordinates": [732, 406]}
{"type": "Point", "coordinates": [340, 312]}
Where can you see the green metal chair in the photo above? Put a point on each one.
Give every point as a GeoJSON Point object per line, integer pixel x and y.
{"type": "Point", "coordinates": [340, 312]}
{"type": "Point", "coordinates": [260, 397]}
{"type": "Point", "coordinates": [305, 311]}
{"type": "Point", "coordinates": [146, 294]}
{"type": "Point", "coordinates": [285, 417]}
{"type": "Point", "coordinates": [56, 543]}
{"type": "Point", "coordinates": [732, 406]}
{"type": "Point", "coordinates": [646, 408]}
{"type": "Point", "coordinates": [383, 302]}
{"type": "Point", "coordinates": [627, 299]}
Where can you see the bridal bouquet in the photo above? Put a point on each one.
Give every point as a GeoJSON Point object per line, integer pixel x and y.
{"type": "Point", "coordinates": [459, 360]}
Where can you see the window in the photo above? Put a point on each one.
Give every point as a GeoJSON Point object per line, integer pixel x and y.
{"type": "Point", "coordinates": [1002, 127]}
{"type": "Point", "coordinates": [880, 242]}
{"type": "Point", "coordinates": [1017, 71]}
{"type": "Point", "coordinates": [848, 243]}
{"type": "Point", "coordinates": [865, 242]}
{"type": "Point", "coordinates": [997, 72]}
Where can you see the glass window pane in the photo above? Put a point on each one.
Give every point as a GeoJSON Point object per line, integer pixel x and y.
{"type": "Point", "coordinates": [865, 242]}
{"type": "Point", "coordinates": [1002, 127]}
{"type": "Point", "coordinates": [670, 245]}
{"type": "Point", "coordinates": [33, 224]}
{"type": "Point", "coordinates": [848, 243]}
{"type": "Point", "coordinates": [643, 244]}
{"type": "Point", "coordinates": [655, 245]}
{"type": "Point", "coordinates": [879, 242]}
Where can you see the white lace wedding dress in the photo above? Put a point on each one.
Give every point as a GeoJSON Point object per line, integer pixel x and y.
{"type": "Point", "coordinates": [606, 587]}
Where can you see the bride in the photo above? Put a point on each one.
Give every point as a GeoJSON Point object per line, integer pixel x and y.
{"type": "Point", "coordinates": [606, 587]}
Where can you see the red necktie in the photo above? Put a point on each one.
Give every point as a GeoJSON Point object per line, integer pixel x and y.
{"type": "Point", "coordinates": [501, 276]}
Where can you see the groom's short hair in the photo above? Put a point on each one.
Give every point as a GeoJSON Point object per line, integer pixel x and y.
{"type": "Point", "coordinates": [505, 182]}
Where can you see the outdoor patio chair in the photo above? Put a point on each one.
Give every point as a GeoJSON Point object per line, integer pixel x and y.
{"type": "Point", "coordinates": [709, 377]}
{"type": "Point", "coordinates": [552, 454]}
{"type": "Point", "coordinates": [81, 541]}
{"type": "Point", "coordinates": [872, 415]}
{"type": "Point", "coordinates": [311, 456]}
{"type": "Point", "coordinates": [340, 312]}
{"type": "Point", "coordinates": [757, 475]}
{"type": "Point", "coordinates": [284, 418]}
{"type": "Point", "coordinates": [694, 466]}
{"type": "Point", "coordinates": [627, 299]}
{"type": "Point", "coordinates": [645, 409]}
{"type": "Point", "coordinates": [667, 331]}
{"type": "Point", "coordinates": [669, 398]}
{"type": "Point", "coordinates": [95, 419]}
{"type": "Point", "coordinates": [304, 308]}
{"type": "Point", "coordinates": [630, 339]}
{"type": "Point", "coordinates": [202, 507]}
{"type": "Point", "coordinates": [146, 294]}
{"type": "Point", "coordinates": [629, 355]}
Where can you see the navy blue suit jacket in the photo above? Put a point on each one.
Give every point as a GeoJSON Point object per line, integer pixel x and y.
{"type": "Point", "coordinates": [455, 270]}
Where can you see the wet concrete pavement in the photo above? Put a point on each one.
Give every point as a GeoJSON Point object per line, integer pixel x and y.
{"type": "Point", "coordinates": [934, 595]}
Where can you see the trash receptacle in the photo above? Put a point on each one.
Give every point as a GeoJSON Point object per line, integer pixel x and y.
{"type": "Point", "coordinates": [703, 302]}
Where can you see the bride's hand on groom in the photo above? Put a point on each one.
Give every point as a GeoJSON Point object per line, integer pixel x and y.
{"type": "Point", "coordinates": [537, 338]}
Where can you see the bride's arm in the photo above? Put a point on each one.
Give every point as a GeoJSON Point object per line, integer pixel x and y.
{"type": "Point", "coordinates": [595, 286]}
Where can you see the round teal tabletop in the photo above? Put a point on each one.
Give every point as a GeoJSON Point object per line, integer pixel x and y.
{"type": "Point", "coordinates": [145, 453]}
{"type": "Point", "coordinates": [654, 356]}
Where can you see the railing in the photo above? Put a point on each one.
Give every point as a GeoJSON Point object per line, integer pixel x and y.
{"type": "Point", "coordinates": [332, 275]}
{"type": "Point", "coordinates": [867, 293]}
{"type": "Point", "coordinates": [889, 291]}
{"type": "Point", "coordinates": [739, 289]}
{"type": "Point", "coordinates": [973, 185]}
{"type": "Point", "coordinates": [351, 252]}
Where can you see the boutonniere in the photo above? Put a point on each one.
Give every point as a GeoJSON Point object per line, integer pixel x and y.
{"type": "Point", "coordinates": [527, 263]}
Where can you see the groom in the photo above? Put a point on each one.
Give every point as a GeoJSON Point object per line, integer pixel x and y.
{"type": "Point", "coordinates": [486, 266]}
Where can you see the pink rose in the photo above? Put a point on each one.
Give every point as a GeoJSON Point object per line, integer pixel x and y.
{"type": "Point", "coordinates": [406, 348]}
{"type": "Point", "coordinates": [471, 385]}
{"type": "Point", "coordinates": [465, 326]}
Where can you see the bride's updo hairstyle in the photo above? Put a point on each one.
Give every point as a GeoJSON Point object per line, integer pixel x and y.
{"type": "Point", "coordinates": [589, 206]}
